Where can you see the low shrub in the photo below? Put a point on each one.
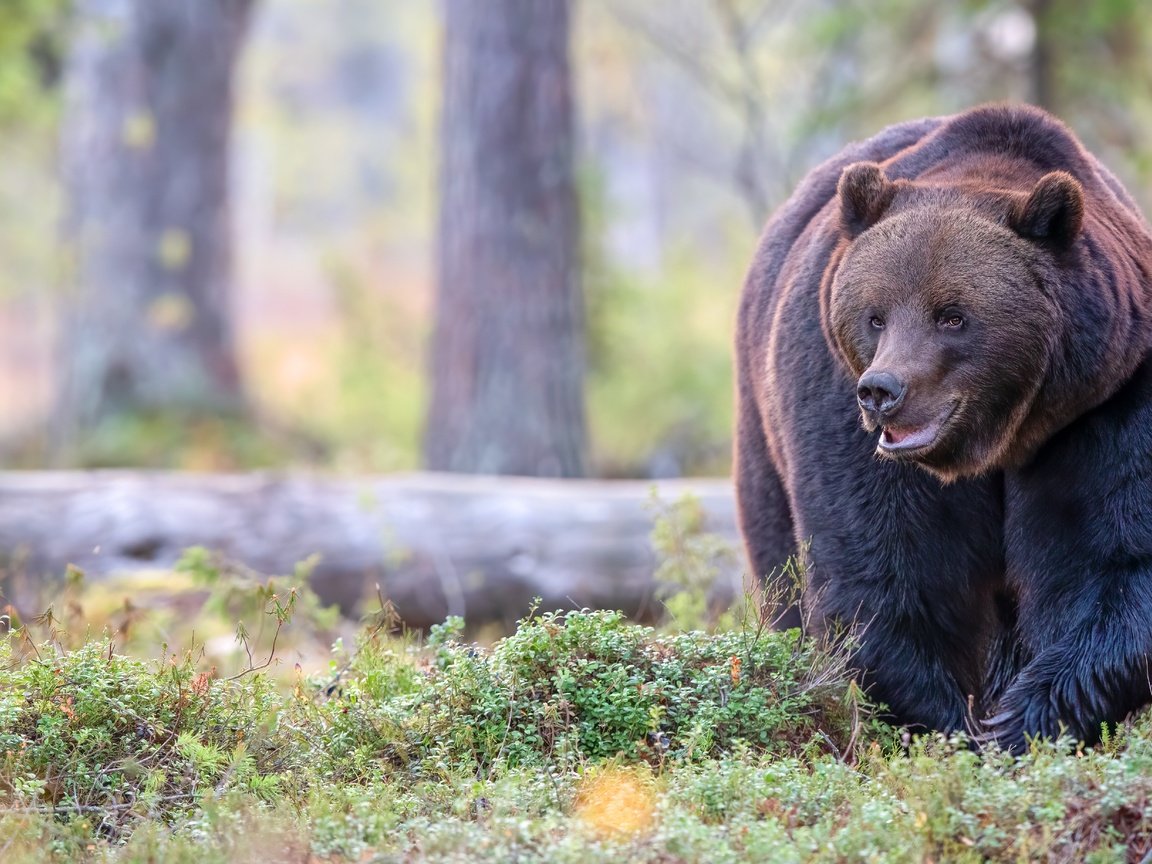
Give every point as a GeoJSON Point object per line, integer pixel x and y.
{"type": "Point", "coordinates": [569, 688]}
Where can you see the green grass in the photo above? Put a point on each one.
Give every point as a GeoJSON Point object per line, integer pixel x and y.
{"type": "Point", "coordinates": [579, 737]}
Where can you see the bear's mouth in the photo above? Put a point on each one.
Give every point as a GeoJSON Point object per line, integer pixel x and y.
{"type": "Point", "coordinates": [905, 440]}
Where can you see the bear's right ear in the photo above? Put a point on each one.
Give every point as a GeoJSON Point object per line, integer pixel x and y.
{"type": "Point", "coordinates": [865, 193]}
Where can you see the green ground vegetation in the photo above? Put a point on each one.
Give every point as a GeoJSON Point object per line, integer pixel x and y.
{"type": "Point", "coordinates": [578, 737]}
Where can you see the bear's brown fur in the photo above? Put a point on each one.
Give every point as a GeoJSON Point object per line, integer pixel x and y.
{"type": "Point", "coordinates": [944, 388]}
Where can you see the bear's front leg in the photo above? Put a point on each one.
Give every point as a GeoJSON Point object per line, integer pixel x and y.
{"type": "Point", "coordinates": [912, 567]}
{"type": "Point", "coordinates": [1092, 677]}
{"type": "Point", "coordinates": [915, 675]}
{"type": "Point", "coordinates": [1078, 540]}
{"type": "Point", "coordinates": [919, 649]}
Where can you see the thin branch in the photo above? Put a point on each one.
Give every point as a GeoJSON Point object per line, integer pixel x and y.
{"type": "Point", "coordinates": [266, 663]}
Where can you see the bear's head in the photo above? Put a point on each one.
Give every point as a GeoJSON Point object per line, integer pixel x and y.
{"type": "Point", "coordinates": [943, 307]}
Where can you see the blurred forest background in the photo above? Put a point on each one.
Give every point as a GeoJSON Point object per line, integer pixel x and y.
{"type": "Point", "coordinates": [225, 224]}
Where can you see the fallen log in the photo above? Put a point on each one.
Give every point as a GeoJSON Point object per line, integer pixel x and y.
{"type": "Point", "coordinates": [480, 547]}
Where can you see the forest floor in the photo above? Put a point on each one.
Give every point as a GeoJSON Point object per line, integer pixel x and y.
{"type": "Point", "coordinates": [579, 737]}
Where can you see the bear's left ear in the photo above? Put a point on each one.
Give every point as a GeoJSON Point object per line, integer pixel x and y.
{"type": "Point", "coordinates": [865, 193]}
{"type": "Point", "coordinates": [1053, 212]}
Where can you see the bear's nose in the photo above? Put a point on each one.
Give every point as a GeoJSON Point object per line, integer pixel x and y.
{"type": "Point", "coordinates": [880, 393]}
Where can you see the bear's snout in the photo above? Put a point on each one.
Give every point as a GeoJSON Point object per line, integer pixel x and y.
{"type": "Point", "coordinates": [880, 394]}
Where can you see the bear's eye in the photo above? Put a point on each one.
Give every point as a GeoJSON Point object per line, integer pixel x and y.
{"type": "Point", "coordinates": [951, 320]}
{"type": "Point", "coordinates": [877, 322]}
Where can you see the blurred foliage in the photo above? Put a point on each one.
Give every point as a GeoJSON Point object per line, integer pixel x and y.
{"type": "Point", "coordinates": [32, 42]}
{"type": "Point", "coordinates": [372, 411]}
{"type": "Point", "coordinates": [33, 36]}
{"type": "Point", "coordinates": [660, 391]}
{"type": "Point", "coordinates": [186, 441]}
{"type": "Point", "coordinates": [691, 558]}
{"type": "Point", "coordinates": [224, 613]}
{"type": "Point", "coordinates": [659, 367]}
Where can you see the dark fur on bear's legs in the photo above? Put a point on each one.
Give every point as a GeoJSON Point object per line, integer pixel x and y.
{"type": "Point", "coordinates": [1006, 654]}
{"type": "Point", "coordinates": [1079, 546]}
{"type": "Point", "coordinates": [920, 599]}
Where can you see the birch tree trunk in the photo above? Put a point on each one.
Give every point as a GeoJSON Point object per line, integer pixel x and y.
{"type": "Point", "coordinates": [148, 113]}
{"type": "Point", "coordinates": [507, 354]}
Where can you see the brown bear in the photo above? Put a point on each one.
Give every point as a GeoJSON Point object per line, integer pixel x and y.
{"type": "Point", "coordinates": [944, 393]}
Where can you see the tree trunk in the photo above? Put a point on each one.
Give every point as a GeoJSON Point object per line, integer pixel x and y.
{"type": "Point", "coordinates": [436, 544]}
{"type": "Point", "coordinates": [148, 112]}
{"type": "Point", "coordinates": [507, 353]}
